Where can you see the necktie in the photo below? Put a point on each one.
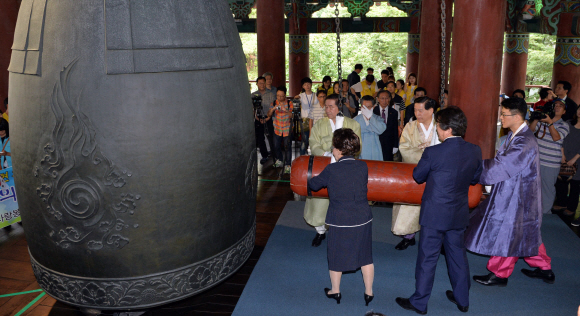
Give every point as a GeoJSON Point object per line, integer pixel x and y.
{"type": "Point", "coordinates": [383, 116]}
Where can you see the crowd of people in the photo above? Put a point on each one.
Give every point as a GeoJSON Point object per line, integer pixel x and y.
{"type": "Point", "coordinates": [396, 120]}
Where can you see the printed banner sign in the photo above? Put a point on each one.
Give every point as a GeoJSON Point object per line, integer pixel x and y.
{"type": "Point", "coordinates": [9, 212]}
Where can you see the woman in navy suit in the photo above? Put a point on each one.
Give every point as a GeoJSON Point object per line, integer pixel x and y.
{"type": "Point", "coordinates": [349, 216]}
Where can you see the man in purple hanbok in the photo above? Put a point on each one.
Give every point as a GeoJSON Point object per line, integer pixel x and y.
{"type": "Point", "coordinates": [506, 225]}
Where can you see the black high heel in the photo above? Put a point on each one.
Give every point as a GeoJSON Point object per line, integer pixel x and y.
{"type": "Point", "coordinates": [368, 299]}
{"type": "Point", "coordinates": [335, 296]}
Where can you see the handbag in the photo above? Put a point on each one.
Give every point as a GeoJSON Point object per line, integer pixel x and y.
{"type": "Point", "coordinates": [568, 171]}
{"type": "Point", "coordinates": [305, 124]}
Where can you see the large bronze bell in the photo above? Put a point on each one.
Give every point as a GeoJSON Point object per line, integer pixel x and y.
{"type": "Point", "coordinates": [133, 148]}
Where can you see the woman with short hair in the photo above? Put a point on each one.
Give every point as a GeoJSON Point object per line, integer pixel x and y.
{"type": "Point", "coordinates": [349, 216]}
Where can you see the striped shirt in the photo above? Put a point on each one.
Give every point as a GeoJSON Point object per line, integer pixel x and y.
{"type": "Point", "coordinates": [316, 113]}
{"type": "Point", "coordinates": [550, 151]}
{"type": "Point", "coordinates": [282, 120]}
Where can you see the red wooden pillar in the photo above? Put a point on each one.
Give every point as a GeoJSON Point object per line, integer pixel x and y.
{"type": "Point", "coordinates": [429, 73]}
{"type": "Point", "coordinates": [475, 77]}
{"type": "Point", "coordinates": [567, 56]}
{"type": "Point", "coordinates": [271, 39]}
{"type": "Point", "coordinates": [515, 62]}
{"type": "Point", "coordinates": [8, 15]}
{"type": "Point", "coordinates": [413, 45]}
{"type": "Point", "coordinates": [299, 57]}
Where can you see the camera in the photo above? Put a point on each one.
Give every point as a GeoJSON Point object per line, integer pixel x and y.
{"type": "Point", "coordinates": [542, 112]}
{"type": "Point", "coordinates": [256, 101]}
{"type": "Point", "coordinates": [257, 104]}
{"type": "Point", "coordinates": [296, 106]}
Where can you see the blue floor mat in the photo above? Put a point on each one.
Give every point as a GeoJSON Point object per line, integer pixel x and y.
{"type": "Point", "coordinates": [290, 276]}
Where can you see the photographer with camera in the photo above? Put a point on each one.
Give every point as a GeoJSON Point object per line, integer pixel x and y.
{"type": "Point", "coordinates": [281, 114]}
{"type": "Point", "coordinates": [550, 131]}
{"type": "Point", "coordinates": [546, 95]}
{"type": "Point", "coordinates": [262, 100]}
{"type": "Point", "coordinates": [348, 100]}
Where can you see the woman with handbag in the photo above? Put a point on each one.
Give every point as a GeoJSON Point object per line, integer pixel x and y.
{"type": "Point", "coordinates": [569, 178]}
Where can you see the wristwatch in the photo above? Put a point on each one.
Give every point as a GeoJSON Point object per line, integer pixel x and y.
{"type": "Point", "coordinates": [550, 124]}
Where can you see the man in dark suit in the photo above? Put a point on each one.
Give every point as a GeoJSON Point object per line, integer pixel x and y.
{"type": "Point", "coordinates": [449, 169]}
{"type": "Point", "coordinates": [562, 89]}
{"type": "Point", "coordinates": [354, 76]}
{"type": "Point", "coordinates": [389, 139]}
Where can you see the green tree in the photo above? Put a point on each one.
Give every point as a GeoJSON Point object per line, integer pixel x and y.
{"type": "Point", "coordinates": [374, 50]}
{"type": "Point", "coordinates": [540, 63]}
{"type": "Point", "coordinates": [381, 50]}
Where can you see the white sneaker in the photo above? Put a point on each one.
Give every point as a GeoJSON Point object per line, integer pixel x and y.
{"type": "Point", "coordinates": [278, 164]}
{"type": "Point", "coordinates": [287, 169]}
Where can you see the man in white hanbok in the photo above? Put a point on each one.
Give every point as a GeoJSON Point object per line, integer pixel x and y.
{"type": "Point", "coordinates": [416, 136]}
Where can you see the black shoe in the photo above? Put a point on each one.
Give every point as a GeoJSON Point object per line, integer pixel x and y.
{"type": "Point", "coordinates": [264, 160]}
{"type": "Point", "coordinates": [405, 243]}
{"type": "Point", "coordinates": [451, 298]}
{"type": "Point", "coordinates": [404, 303]}
{"type": "Point", "coordinates": [490, 279]}
{"type": "Point", "coordinates": [335, 296]}
{"type": "Point", "coordinates": [546, 275]}
{"type": "Point", "coordinates": [318, 239]}
{"type": "Point", "coordinates": [568, 214]}
{"type": "Point", "coordinates": [558, 210]}
{"type": "Point", "coordinates": [368, 299]}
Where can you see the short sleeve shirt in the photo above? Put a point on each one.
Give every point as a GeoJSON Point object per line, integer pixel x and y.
{"type": "Point", "coordinates": [282, 120]}
{"type": "Point", "coordinates": [307, 102]}
{"type": "Point", "coordinates": [550, 150]}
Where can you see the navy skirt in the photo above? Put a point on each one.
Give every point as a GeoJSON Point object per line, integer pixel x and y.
{"type": "Point", "coordinates": [349, 248]}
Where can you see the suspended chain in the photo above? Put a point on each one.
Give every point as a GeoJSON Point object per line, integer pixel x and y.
{"type": "Point", "coordinates": [338, 53]}
{"type": "Point", "coordinates": [295, 16]}
{"type": "Point", "coordinates": [443, 53]}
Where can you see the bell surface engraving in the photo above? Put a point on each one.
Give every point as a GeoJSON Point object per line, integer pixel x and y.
{"type": "Point", "coordinates": [133, 148]}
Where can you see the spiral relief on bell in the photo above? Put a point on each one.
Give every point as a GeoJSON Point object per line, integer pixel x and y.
{"type": "Point", "coordinates": [79, 184]}
{"type": "Point", "coordinates": [80, 199]}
